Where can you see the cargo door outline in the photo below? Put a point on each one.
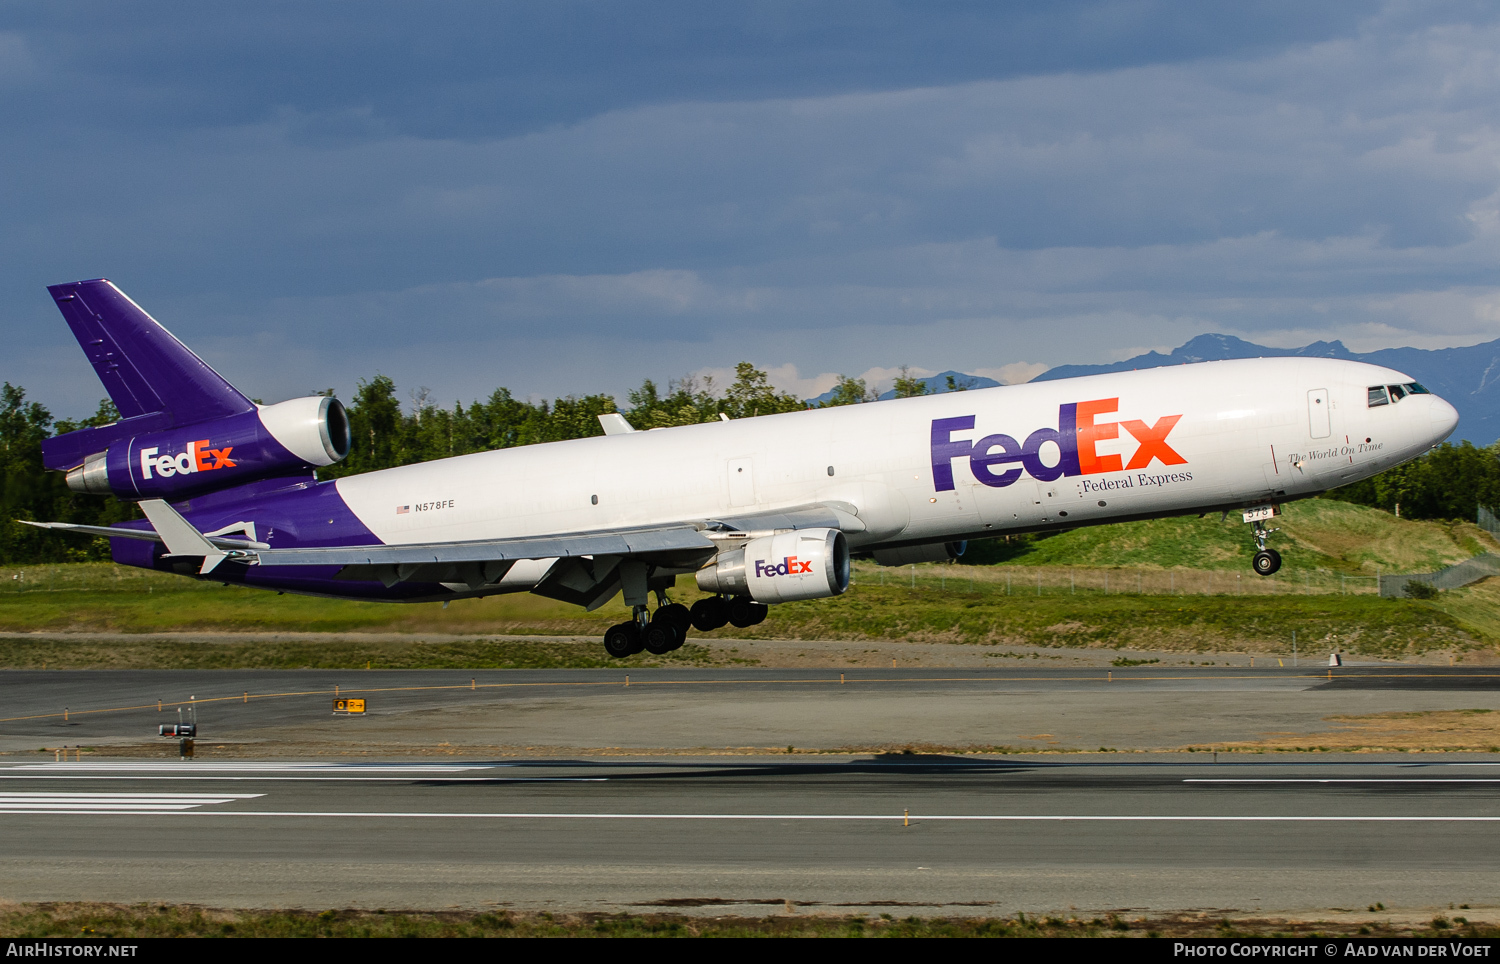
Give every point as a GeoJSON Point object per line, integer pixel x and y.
{"type": "Point", "coordinates": [741, 474]}
{"type": "Point", "coordinates": [1319, 419]}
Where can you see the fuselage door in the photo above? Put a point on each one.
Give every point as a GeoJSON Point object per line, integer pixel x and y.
{"type": "Point", "coordinates": [1318, 421]}
{"type": "Point", "coordinates": [741, 482]}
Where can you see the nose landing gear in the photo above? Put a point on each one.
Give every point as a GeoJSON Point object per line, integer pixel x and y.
{"type": "Point", "coordinates": [1266, 561]}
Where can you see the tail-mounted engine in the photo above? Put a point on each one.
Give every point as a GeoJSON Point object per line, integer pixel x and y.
{"type": "Point", "coordinates": [291, 436]}
{"type": "Point", "coordinates": [785, 566]}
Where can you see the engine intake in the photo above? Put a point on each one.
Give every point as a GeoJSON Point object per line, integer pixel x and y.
{"type": "Point", "coordinates": [782, 567]}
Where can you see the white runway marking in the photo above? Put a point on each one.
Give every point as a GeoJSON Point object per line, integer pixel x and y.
{"type": "Point", "coordinates": [253, 767]}
{"type": "Point", "coordinates": [1343, 780]}
{"type": "Point", "coordinates": [113, 802]}
{"type": "Point", "coordinates": [759, 817]}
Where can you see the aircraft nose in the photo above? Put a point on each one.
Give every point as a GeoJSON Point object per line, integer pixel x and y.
{"type": "Point", "coordinates": [1444, 419]}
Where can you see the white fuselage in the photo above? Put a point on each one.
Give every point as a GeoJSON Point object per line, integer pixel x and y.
{"type": "Point", "coordinates": [1250, 431]}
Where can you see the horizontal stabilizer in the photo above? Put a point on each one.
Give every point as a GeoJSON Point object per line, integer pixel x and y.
{"type": "Point", "coordinates": [180, 536]}
{"type": "Point", "coordinates": [143, 535]}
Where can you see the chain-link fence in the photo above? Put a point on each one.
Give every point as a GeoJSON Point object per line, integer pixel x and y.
{"type": "Point", "coordinates": [1397, 585]}
{"type": "Point", "coordinates": [1080, 580]}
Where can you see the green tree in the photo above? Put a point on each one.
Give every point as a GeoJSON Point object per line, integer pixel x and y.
{"type": "Point", "coordinates": [374, 428]}
{"type": "Point", "coordinates": [687, 402]}
{"type": "Point", "coordinates": [1449, 482]}
{"type": "Point", "coordinates": [909, 385]}
{"type": "Point", "coordinates": [849, 391]}
{"type": "Point", "coordinates": [752, 394]}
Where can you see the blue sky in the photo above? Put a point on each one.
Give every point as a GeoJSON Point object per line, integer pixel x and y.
{"type": "Point", "coordinates": [571, 197]}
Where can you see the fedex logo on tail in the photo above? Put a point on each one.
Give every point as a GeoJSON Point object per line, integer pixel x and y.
{"type": "Point", "coordinates": [1075, 438]}
{"type": "Point", "coordinates": [790, 566]}
{"type": "Point", "coordinates": [198, 458]}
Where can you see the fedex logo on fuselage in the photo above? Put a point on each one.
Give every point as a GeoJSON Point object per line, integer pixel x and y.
{"type": "Point", "coordinates": [198, 458]}
{"type": "Point", "coordinates": [1077, 433]}
{"type": "Point", "coordinates": [790, 566]}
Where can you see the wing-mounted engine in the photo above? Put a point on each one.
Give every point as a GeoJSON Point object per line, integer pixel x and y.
{"type": "Point", "coordinates": [177, 463]}
{"type": "Point", "coordinates": [782, 567]}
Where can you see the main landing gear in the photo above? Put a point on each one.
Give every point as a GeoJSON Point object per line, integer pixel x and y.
{"type": "Point", "coordinates": [666, 629]}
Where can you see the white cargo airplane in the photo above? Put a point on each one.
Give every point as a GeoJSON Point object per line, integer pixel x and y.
{"type": "Point", "coordinates": [759, 510]}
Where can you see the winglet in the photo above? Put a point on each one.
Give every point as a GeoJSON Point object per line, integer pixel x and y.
{"type": "Point", "coordinates": [180, 536]}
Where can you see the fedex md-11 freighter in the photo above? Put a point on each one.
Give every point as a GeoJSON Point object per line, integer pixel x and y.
{"type": "Point", "coordinates": [760, 510]}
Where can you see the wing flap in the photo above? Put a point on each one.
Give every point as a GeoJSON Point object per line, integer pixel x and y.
{"type": "Point", "coordinates": [626, 542]}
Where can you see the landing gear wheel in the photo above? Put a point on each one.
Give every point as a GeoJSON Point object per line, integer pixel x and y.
{"type": "Point", "coordinates": [677, 614]}
{"type": "Point", "coordinates": [662, 636]}
{"type": "Point", "coordinates": [622, 640]}
{"type": "Point", "coordinates": [710, 614]}
{"type": "Point", "coordinates": [745, 612]}
{"type": "Point", "coordinates": [1266, 562]}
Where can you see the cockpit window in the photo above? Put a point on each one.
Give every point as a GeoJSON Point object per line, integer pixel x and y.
{"type": "Point", "coordinates": [1377, 396]}
{"type": "Point", "coordinates": [1397, 393]}
{"type": "Point", "coordinates": [1413, 388]}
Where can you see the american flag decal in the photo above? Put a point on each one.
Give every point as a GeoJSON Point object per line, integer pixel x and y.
{"type": "Point", "coordinates": [403, 509]}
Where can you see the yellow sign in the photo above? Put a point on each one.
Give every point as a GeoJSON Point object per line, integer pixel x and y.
{"type": "Point", "coordinates": [348, 706]}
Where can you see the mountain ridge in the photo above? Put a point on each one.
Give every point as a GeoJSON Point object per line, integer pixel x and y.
{"type": "Point", "coordinates": [1468, 377]}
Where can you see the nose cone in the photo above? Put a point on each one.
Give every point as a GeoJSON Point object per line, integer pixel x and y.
{"type": "Point", "coordinates": [1444, 419]}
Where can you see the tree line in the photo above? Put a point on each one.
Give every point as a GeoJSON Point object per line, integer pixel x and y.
{"type": "Point", "coordinates": [1448, 483]}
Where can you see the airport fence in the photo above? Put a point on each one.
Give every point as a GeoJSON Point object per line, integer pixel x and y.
{"type": "Point", "coordinates": [1004, 580]}
{"type": "Point", "coordinates": [1112, 581]}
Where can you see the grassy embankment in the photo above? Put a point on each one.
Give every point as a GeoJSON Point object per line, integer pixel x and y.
{"type": "Point", "coordinates": [1180, 584]}
{"type": "Point", "coordinates": [30, 921]}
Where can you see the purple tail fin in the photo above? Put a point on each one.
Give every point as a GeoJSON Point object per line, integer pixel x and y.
{"type": "Point", "coordinates": [143, 367]}
{"type": "Point", "coordinates": [150, 375]}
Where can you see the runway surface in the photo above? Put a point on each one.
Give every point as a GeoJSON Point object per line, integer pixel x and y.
{"type": "Point", "coordinates": [570, 790]}
{"type": "Point", "coordinates": [921, 835]}
{"type": "Point", "coordinates": [274, 713]}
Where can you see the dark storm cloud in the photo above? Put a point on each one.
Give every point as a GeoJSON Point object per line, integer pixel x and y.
{"type": "Point", "coordinates": [569, 197]}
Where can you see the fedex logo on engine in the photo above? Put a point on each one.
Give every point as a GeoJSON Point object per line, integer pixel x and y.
{"type": "Point", "coordinates": [790, 566]}
{"type": "Point", "coordinates": [1077, 433]}
{"type": "Point", "coordinates": [198, 458]}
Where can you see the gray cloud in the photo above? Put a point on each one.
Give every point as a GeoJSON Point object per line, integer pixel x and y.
{"type": "Point", "coordinates": [1317, 180]}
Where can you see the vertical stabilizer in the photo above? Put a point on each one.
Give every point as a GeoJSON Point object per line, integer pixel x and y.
{"type": "Point", "coordinates": [143, 367]}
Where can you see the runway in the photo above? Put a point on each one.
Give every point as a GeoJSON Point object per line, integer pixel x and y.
{"type": "Point", "coordinates": [570, 712]}
{"type": "Point", "coordinates": [571, 790]}
{"type": "Point", "coordinates": [928, 835]}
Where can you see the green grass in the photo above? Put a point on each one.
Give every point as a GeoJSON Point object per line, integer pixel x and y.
{"type": "Point", "coordinates": [339, 653]}
{"type": "Point", "coordinates": [32, 921]}
{"type": "Point", "coordinates": [1355, 624]}
{"type": "Point", "coordinates": [1316, 534]}
{"type": "Point", "coordinates": [1458, 620]}
{"type": "Point", "coordinates": [1188, 587]}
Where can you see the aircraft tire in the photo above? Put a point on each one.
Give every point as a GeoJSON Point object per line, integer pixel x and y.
{"type": "Point", "coordinates": [745, 612]}
{"type": "Point", "coordinates": [709, 614]}
{"type": "Point", "coordinates": [622, 640]}
{"type": "Point", "coordinates": [662, 636]}
{"type": "Point", "coordinates": [680, 616]}
{"type": "Point", "coordinates": [1266, 562]}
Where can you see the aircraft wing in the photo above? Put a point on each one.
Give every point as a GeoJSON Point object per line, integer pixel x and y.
{"type": "Point", "coordinates": [622, 542]}
{"type": "Point", "coordinates": [587, 563]}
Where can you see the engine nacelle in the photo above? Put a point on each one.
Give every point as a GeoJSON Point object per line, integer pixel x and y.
{"type": "Point", "coordinates": [932, 552]}
{"type": "Point", "coordinates": [785, 566]}
{"type": "Point", "coordinates": [291, 436]}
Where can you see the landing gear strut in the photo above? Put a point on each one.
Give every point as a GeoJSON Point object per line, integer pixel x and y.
{"type": "Point", "coordinates": [657, 633]}
{"type": "Point", "coordinates": [1266, 561]}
